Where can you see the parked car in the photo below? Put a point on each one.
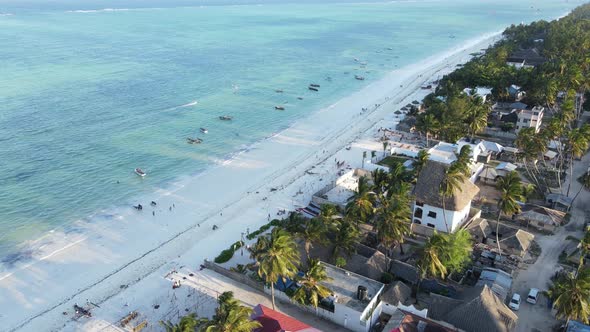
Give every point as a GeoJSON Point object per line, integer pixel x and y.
{"type": "Point", "coordinates": [515, 302]}
{"type": "Point", "coordinates": [533, 295]}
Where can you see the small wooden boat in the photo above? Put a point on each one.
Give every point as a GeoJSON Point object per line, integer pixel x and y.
{"type": "Point", "coordinates": [300, 98]}
{"type": "Point", "coordinates": [315, 85]}
{"type": "Point", "coordinates": [313, 89]}
{"type": "Point", "coordinates": [225, 118]}
{"type": "Point", "coordinates": [360, 78]}
{"type": "Point", "coordinates": [140, 172]}
{"type": "Point", "coordinates": [204, 130]}
{"type": "Point", "coordinates": [191, 140]}
{"type": "Point", "coordinates": [279, 91]}
{"type": "Point", "coordinates": [279, 108]}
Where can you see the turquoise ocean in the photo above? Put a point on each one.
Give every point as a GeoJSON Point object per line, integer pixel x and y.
{"type": "Point", "coordinates": [91, 90]}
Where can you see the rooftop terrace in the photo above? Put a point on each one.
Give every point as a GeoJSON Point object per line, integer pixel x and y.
{"type": "Point", "coordinates": [344, 285]}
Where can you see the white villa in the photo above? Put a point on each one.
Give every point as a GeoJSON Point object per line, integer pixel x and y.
{"type": "Point", "coordinates": [482, 92]}
{"type": "Point", "coordinates": [530, 118]}
{"type": "Point", "coordinates": [428, 206]}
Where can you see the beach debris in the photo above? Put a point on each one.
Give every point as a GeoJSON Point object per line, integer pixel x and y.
{"type": "Point", "coordinates": [125, 320]}
{"type": "Point", "coordinates": [82, 311]}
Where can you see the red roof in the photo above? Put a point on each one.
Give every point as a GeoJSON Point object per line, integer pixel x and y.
{"type": "Point", "coordinates": [274, 321]}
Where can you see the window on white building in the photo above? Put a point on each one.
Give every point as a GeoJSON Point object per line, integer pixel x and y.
{"type": "Point", "coordinates": [430, 225]}
{"type": "Point", "coordinates": [432, 214]}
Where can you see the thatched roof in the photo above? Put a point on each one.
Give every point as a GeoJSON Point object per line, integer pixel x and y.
{"type": "Point", "coordinates": [371, 267]}
{"type": "Point", "coordinates": [440, 306]}
{"type": "Point", "coordinates": [542, 214]}
{"type": "Point", "coordinates": [396, 293]}
{"type": "Point", "coordinates": [404, 271]}
{"type": "Point", "coordinates": [479, 229]}
{"type": "Point", "coordinates": [485, 313]}
{"type": "Point", "coordinates": [520, 241]}
{"type": "Point", "coordinates": [428, 184]}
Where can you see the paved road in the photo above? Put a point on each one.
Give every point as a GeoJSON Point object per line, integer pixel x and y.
{"type": "Point", "coordinates": [538, 317]}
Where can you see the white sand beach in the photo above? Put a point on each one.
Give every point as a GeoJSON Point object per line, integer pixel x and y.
{"type": "Point", "coordinates": [120, 262]}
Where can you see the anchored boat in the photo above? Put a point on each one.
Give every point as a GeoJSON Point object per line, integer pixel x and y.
{"type": "Point", "coordinates": [140, 172]}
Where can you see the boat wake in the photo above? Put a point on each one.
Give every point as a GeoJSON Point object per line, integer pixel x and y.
{"type": "Point", "coordinates": [192, 103]}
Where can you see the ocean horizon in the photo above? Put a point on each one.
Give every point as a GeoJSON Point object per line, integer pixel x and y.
{"type": "Point", "coordinates": [90, 92]}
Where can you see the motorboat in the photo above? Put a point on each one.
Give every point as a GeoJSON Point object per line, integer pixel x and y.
{"type": "Point", "coordinates": [313, 89]}
{"type": "Point", "coordinates": [204, 130]}
{"type": "Point", "coordinates": [140, 172]}
{"type": "Point", "coordinates": [225, 118]}
{"type": "Point", "coordinates": [191, 140]}
{"type": "Point", "coordinates": [360, 78]}
{"type": "Point", "coordinates": [279, 108]}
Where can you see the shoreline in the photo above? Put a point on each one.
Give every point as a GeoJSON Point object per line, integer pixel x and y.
{"type": "Point", "coordinates": [90, 263]}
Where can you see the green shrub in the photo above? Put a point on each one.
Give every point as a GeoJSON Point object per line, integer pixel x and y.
{"type": "Point", "coordinates": [340, 261]}
{"type": "Point", "coordinates": [224, 256]}
{"type": "Point", "coordinates": [387, 278]}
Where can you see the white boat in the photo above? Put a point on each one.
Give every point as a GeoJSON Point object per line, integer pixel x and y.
{"type": "Point", "coordinates": [204, 130]}
{"type": "Point", "coordinates": [140, 172]}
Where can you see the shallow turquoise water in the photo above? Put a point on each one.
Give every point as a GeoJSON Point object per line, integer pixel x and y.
{"type": "Point", "coordinates": [85, 97]}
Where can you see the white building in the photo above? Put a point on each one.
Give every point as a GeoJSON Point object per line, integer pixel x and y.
{"type": "Point", "coordinates": [482, 92]}
{"type": "Point", "coordinates": [530, 118]}
{"type": "Point", "coordinates": [446, 153]}
{"type": "Point", "coordinates": [355, 299]}
{"type": "Point", "coordinates": [428, 206]}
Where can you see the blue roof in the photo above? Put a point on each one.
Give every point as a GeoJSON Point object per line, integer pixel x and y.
{"type": "Point", "coordinates": [575, 326]}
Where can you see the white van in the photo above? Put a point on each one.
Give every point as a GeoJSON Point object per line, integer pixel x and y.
{"type": "Point", "coordinates": [533, 295]}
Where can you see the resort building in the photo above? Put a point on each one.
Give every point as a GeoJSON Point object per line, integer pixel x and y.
{"type": "Point", "coordinates": [339, 192]}
{"type": "Point", "coordinates": [529, 118]}
{"type": "Point", "coordinates": [527, 58]}
{"type": "Point", "coordinates": [429, 209]}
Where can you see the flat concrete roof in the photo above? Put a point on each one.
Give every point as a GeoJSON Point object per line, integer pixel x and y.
{"type": "Point", "coordinates": [344, 285]}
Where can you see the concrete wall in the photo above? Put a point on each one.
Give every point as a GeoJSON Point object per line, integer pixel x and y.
{"type": "Point", "coordinates": [454, 218]}
{"type": "Point", "coordinates": [241, 278]}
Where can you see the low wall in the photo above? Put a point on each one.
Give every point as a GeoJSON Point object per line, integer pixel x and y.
{"type": "Point", "coordinates": [241, 278]}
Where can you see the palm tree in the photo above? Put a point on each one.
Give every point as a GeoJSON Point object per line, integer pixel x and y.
{"type": "Point", "coordinates": [278, 260]}
{"type": "Point", "coordinates": [571, 296]}
{"type": "Point", "coordinates": [393, 222]}
{"type": "Point", "coordinates": [477, 117]}
{"type": "Point", "coordinates": [230, 316]}
{"type": "Point", "coordinates": [380, 180]}
{"type": "Point", "coordinates": [531, 146]}
{"type": "Point", "coordinates": [187, 323]}
{"type": "Point", "coordinates": [311, 290]}
{"type": "Point", "coordinates": [385, 145]}
{"type": "Point", "coordinates": [585, 181]}
{"type": "Point", "coordinates": [313, 231]}
{"type": "Point", "coordinates": [427, 124]}
{"type": "Point", "coordinates": [345, 239]}
{"type": "Point", "coordinates": [451, 182]}
{"type": "Point", "coordinates": [510, 194]}
{"type": "Point", "coordinates": [421, 160]}
{"type": "Point", "coordinates": [578, 140]}
{"type": "Point", "coordinates": [361, 207]}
